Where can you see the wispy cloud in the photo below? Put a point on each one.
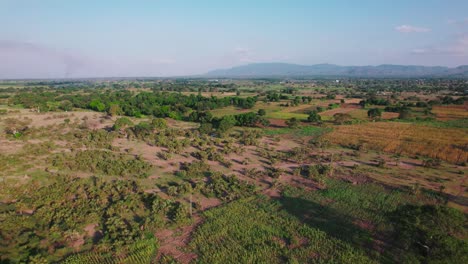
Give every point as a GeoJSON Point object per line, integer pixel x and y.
{"type": "Point", "coordinates": [457, 47]}
{"type": "Point", "coordinates": [35, 60]}
{"type": "Point", "coordinates": [244, 55]}
{"type": "Point", "coordinates": [420, 51]}
{"type": "Point", "coordinates": [38, 59]}
{"type": "Point", "coordinates": [458, 22]}
{"type": "Point", "coordinates": [411, 29]}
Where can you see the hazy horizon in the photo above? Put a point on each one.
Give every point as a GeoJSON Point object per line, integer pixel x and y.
{"type": "Point", "coordinates": [86, 39]}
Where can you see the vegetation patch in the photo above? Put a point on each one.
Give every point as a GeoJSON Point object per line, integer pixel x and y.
{"type": "Point", "coordinates": [257, 230]}
{"type": "Point", "coordinates": [303, 131]}
{"type": "Point", "coordinates": [404, 138]}
{"type": "Point", "coordinates": [102, 162]}
{"type": "Point", "coordinates": [90, 215]}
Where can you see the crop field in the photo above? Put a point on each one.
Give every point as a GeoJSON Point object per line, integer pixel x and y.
{"type": "Point", "coordinates": [405, 139]}
{"type": "Point", "coordinates": [450, 113]}
{"type": "Point", "coordinates": [250, 171]}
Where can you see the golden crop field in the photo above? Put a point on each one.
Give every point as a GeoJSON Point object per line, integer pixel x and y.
{"type": "Point", "coordinates": [408, 139]}
{"type": "Point", "coordinates": [450, 112]}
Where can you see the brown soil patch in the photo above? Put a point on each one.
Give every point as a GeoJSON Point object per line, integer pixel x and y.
{"type": "Point", "coordinates": [172, 242]}
{"type": "Point", "coordinates": [366, 225]}
{"type": "Point", "coordinates": [207, 203]}
{"type": "Point", "coordinates": [389, 115]}
{"type": "Point", "coordinates": [272, 193]}
{"type": "Point", "coordinates": [277, 122]}
{"type": "Point", "coordinates": [10, 147]}
{"type": "Point", "coordinates": [90, 230]}
{"type": "Point", "coordinates": [342, 110]}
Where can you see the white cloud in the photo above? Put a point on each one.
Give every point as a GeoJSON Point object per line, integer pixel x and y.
{"type": "Point", "coordinates": [411, 29]}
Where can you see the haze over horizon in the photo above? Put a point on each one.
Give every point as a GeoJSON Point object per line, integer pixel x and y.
{"type": "Point", "coordinates": [58, 39]}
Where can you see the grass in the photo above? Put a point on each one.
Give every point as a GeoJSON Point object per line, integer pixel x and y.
{"type": "Point", "coordinates": [301, 132]}
{"type": "Point", "coordinates": [273, 109]}
{"type": "Point", "coordinates": [450, 112]}
{"type": "Point", "coordinates": [271, 235]}
{"type": "Point", "coordinates": [286, 115]}
{"type": "Point", "coordinates": [355, 214]}
{"type": "Point", "coordinates": [405, 138]}
{"type": "Point", "coordinates": [459, 123]}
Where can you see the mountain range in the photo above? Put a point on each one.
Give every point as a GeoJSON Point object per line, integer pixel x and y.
{"type": "Point", "coordinates": [332, 70]}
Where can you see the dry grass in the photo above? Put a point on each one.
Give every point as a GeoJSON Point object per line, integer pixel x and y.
{"type": "Point", "coordinates": [450, 112]}
{"type": "Point", "coordinates": [408, 139]}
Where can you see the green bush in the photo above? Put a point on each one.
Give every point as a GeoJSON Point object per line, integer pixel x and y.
{"type": "Point", "coordinates": [102, 162]}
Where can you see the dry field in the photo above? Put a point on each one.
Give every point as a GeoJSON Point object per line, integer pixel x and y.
{"type": "Point", "coordinates": [407, 139]}
{"type": "Point", "coordinates": [451, 112]}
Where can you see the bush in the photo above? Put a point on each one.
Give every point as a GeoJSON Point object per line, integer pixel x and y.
{"type": "Point", "coordinates": [293, 122]}
{"type": "Point", "coordinates": [342, 118]}
{"type": "Point", "coordinates": [122, 123]}
{"type": "Point", "coordinates": [104, 162]}
{"type": "Point", "coordinates": [159, 123]}
{"type": "Point", "coordinates": [374, 113]}
{"type": "Point", "coordinates": [314, 117]}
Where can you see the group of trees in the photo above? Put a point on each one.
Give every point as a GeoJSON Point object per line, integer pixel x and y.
{"type": "Point", "coordinates": [118, 102]}
{"type": "Point", "coordinates": [93, 215]}
{"type": "Point", "coordinates": [223, 124]}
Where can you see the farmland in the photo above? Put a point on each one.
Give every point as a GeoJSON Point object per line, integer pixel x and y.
{"type": "Point", "coordinates": [405, 139]}
{"type": "Point", "coordinates": [245, 171]}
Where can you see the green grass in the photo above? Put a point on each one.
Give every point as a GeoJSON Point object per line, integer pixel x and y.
{"type": "Point", "coordinates": [286, 115]}
{"type": "Point", "coordinates": [301, 132]}
{"type": "Point", "coordinates": [257, 230]}
{"type": "Point", "coordinates": [459, 123]}
{"type": "Point", "coordinates": [356, 214]}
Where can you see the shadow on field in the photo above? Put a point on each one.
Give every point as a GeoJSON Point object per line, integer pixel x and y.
{"type": "Point", "coordinates": [329, 220]}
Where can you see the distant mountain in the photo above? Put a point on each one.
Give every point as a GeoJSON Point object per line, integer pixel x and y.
{"type": "Point", "coordinates": [331, 70]}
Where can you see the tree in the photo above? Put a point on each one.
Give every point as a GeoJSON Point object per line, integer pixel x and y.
{"type": "Point", "coordinates": [97, 105]}
{"type": "Point", "coordinates": [205, 128]}
{"type": "Point", "coordinates": [341, 118]}
{"type": "Point", "coordinates": [226, 123]}
{"type": "Point", "coordinates": [314, 117]}
{"type": "Point", "coordinates": [261, 112]}
{"type": "Point", "coordinates": [374, 113]}
{"type": "Point", "coordinates": [405, 113]}
{"type": "Point", "coordinates": [293, 122]}
{"type": "Point", "coordinates": [122, 123]}
{"type": "Point", "coordinates": [114, 110]}
{"type": "Point", "coordinates": [159, 123]}
{"type": "Point", "coordinates": [66, 105]}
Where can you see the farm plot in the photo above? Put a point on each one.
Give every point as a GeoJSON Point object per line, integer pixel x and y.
{"type": "Point", "coordinates": [404, 138]}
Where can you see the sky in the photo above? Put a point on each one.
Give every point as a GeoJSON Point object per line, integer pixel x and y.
{"type": "Point", "coordinates": [116, 38]}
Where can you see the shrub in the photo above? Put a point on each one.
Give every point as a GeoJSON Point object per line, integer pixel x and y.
{"type": "Point", "coordinates": [293, 122]}
{"type": "Point", "coordinates": [105, 162]}
{"type": "Point", "coordinates": [374, 113]}
{"type": "Point", "coordinates": [314, 117]}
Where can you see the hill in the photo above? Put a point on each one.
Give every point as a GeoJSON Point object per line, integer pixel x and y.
{"type": "Point", "coordinates": [331, 70]}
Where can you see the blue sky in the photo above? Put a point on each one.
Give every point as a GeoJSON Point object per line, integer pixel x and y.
{"type": "Point", "coordinates": [56, 39]}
